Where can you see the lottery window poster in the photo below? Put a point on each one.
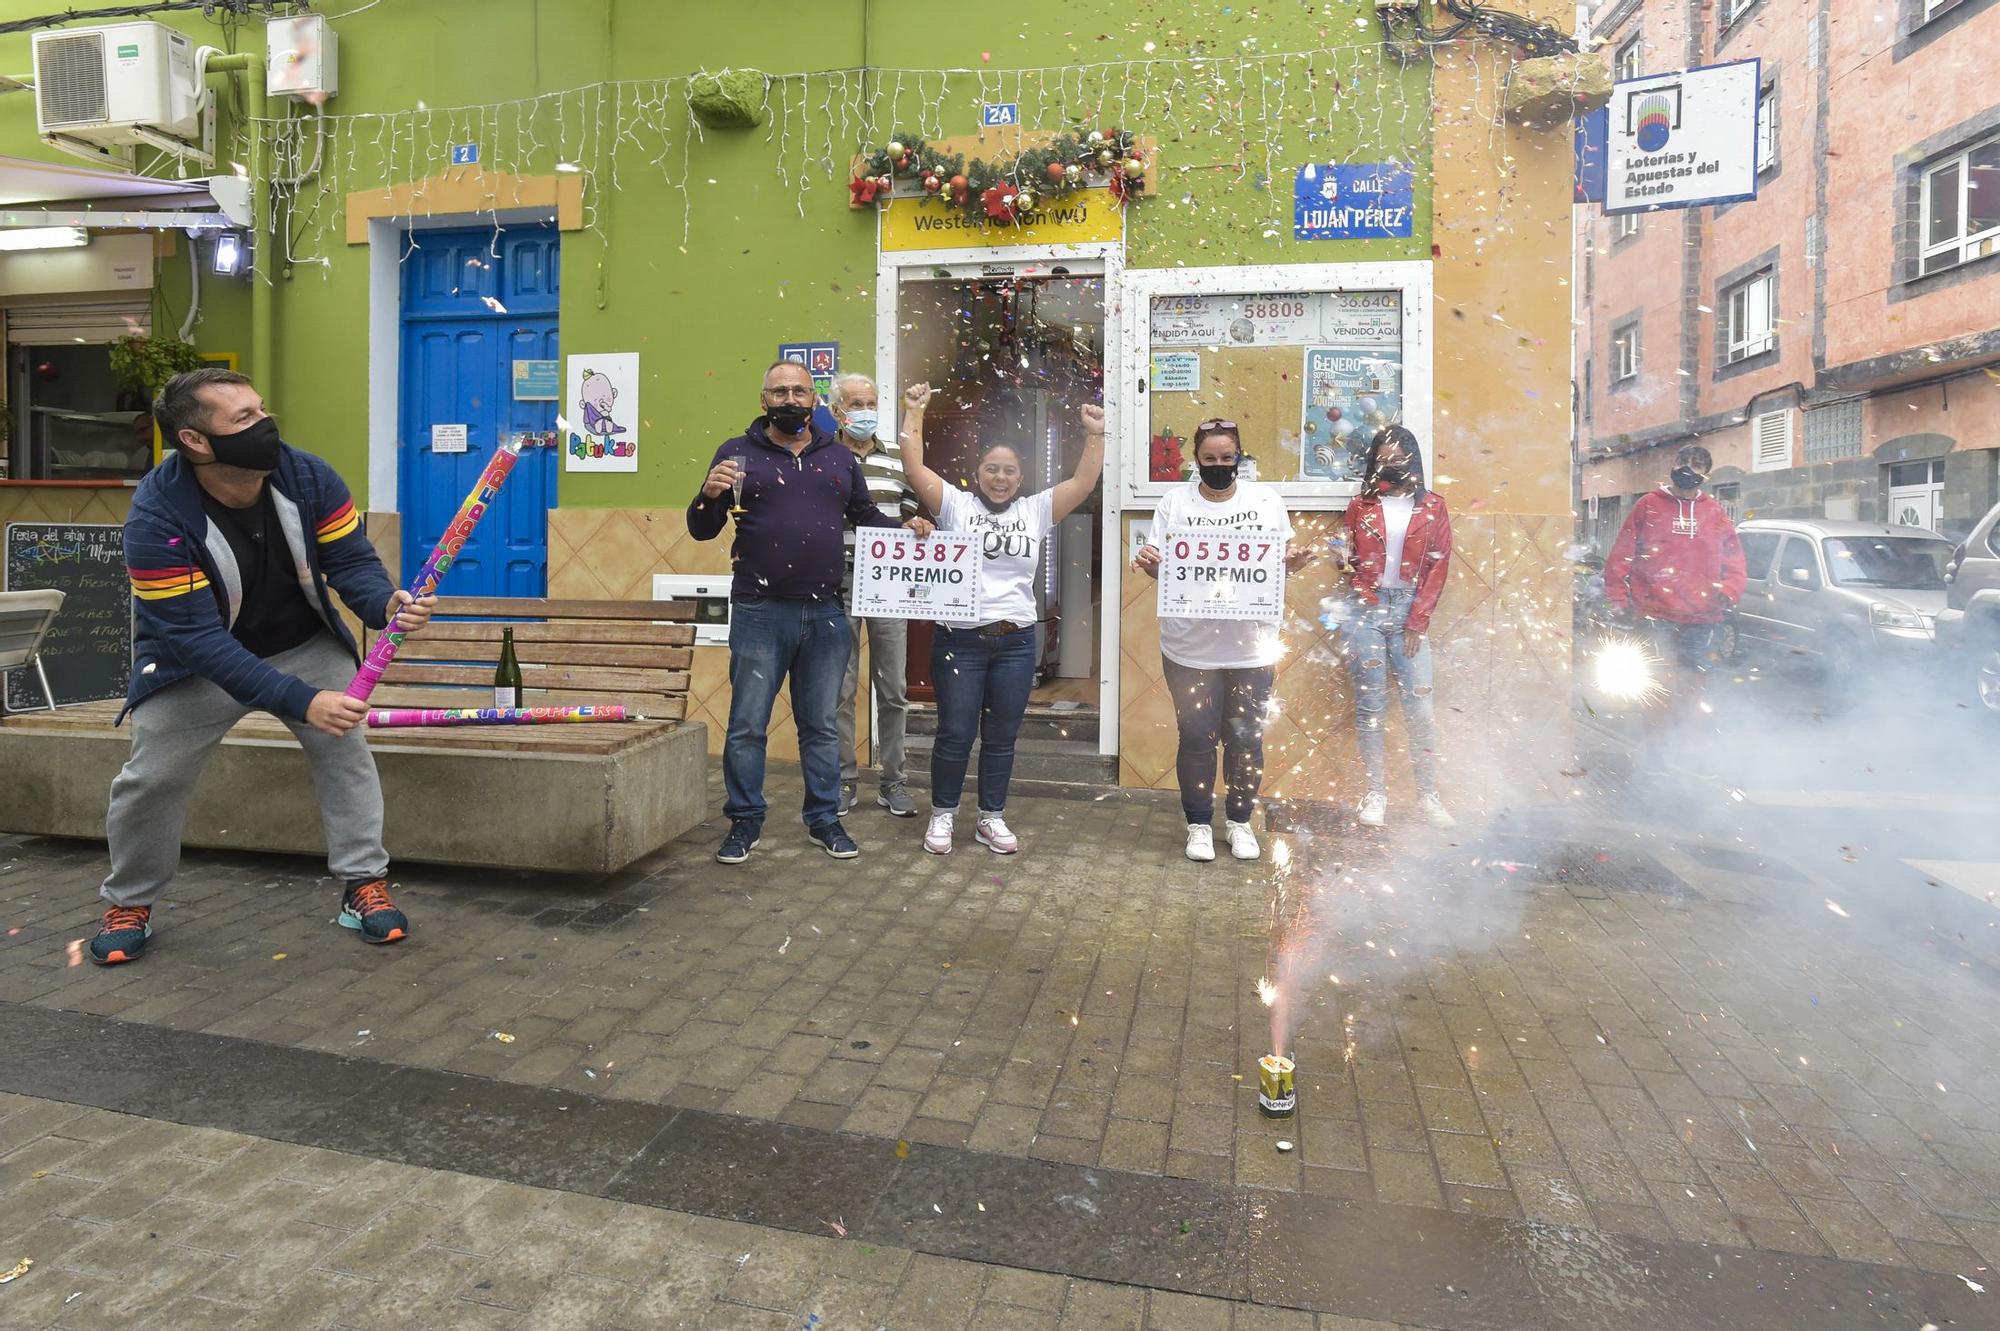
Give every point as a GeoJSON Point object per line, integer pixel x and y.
{"type": "Point", "coordinates": [1350, 393]}
{"type": "Point", "coordinates": [600, 425]}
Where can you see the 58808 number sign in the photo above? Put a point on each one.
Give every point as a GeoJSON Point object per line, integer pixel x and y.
{"type": "Point", "coordinates": [900, 576]}
{"type": "Point", "coordinates": [1216, 574]}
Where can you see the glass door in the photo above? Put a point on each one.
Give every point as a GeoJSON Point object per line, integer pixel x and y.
{"type": "Point", "coordinates": [1013, 351]}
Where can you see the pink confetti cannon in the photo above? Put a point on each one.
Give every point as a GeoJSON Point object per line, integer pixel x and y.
{"type": "Point", "coordinates": [454, 538]}
{"type": "Point", "coordinates": [495, 716]}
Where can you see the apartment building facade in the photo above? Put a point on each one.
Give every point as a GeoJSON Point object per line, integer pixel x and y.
{"type": "Point", "coordinates": [1835, 342]}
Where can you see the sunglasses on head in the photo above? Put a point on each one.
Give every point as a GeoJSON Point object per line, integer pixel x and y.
{"type": "Point", "coordinates": [1214, 426]}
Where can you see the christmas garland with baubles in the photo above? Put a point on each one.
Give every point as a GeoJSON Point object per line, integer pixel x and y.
{"type": "Point", "coordinates": [1009, 190]}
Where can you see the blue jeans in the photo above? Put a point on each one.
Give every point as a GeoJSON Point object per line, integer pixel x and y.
{"type": "Point", "coordinates": [1371, 638]}
{"type": "Point", "coordinates": [772, 639]}
{"type": "Point", "coordinates": [982, 689]}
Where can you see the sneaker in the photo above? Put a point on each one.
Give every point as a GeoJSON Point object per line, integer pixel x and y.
{"type": "Point", "coordinates": [895, 797]}
{"type": "Point", "coordinates": [850, 795]}
{"type": "Point", "coordinates": [992, 833]}
{"type": "Point", "coordinates": [122, 936]}
{"type": "Point", "coordinates": [742, 839]}
{"type": "Point", "coordinates": [1374, 808]}
{"type": "Point", "coordinates": [937, 837]}
{"type": "Point", "coordinates": [833, 839]}
{"type": "Point", "coordinates": [1201, 843]}
{"type": "Point", "coordinates": [1243, 842]}
{"type": "Point", "coordinates": [366, 909]}
{"type": "Point", "coordinates": [1433, 808]}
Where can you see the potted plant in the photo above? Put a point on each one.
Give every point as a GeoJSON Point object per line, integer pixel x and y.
{"type": "Point", "coordinates": [144, 364]}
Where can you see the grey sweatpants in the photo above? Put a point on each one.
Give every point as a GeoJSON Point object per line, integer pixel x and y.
{"type": "Point", "coordinates": [888, 668]}
{"type": "Point", "coordinates": [175, 730]}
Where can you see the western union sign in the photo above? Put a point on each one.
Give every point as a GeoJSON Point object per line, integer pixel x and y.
{"type": "Point", "coordinates": [1084, 217]}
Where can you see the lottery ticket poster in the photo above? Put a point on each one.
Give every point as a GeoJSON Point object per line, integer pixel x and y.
{"type": "Point", "coordinates": [900, 576]}
{"type": "Point", "coordinates": [1212, 574]}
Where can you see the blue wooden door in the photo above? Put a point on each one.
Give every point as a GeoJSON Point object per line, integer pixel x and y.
{"type": "Point", "coordinates": [472, 306]}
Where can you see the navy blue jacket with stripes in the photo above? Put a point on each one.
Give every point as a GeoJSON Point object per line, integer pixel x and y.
{"type": "Point", "coordinates": [187, 589]}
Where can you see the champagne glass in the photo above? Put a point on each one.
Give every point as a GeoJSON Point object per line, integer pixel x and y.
{"type": "Point", "coordinates": [740, 464]}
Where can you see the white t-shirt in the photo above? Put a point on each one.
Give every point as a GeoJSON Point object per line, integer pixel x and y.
{"type": "Point", "coordinates": [1396, 513]}
{"type": "Point", "coordinates": [1220, 644]}
{"type": "Point", "coordinates": [1011, 541]}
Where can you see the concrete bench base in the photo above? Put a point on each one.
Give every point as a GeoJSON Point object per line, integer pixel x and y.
{"type": "Point", "coordinates": [496, 808]}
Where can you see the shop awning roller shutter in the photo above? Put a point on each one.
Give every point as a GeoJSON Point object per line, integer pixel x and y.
{"type": "Point", "coordinates": [31, 324]}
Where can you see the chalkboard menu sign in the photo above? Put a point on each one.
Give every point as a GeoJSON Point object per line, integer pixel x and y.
{"type": "Point", "coordinates": [88, 651]}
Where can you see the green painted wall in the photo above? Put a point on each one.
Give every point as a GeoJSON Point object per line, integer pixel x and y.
{"type": "Point", "coordinates": [707, 316]}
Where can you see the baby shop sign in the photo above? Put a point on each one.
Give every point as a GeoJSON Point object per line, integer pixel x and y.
{"type": "Point", "coordinates": [600, 422]}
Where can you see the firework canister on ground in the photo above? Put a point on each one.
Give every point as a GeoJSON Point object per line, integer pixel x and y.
{"type": "Point", "coordinates": [1276, 1096]}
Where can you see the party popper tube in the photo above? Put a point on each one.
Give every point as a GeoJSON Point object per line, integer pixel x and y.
{"type": "Point", "coordinates": [441, 556]}
{"type": "Point", "coordinates": [493, 716]}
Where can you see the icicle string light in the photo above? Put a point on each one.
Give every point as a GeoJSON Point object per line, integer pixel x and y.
{"type": "Point", "coordinates": [1254, 114]}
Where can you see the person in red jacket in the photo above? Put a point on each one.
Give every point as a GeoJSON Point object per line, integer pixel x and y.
{"type": "Point", "coordinates": [1399, 544]}
{"type": "Point", "coordinates": [1677, 568]}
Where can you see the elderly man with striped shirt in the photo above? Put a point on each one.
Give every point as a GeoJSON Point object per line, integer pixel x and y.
{"type": "Point", "coordinates": [237, 545]}
{"type": "Point", "coordinates": [857, 407]}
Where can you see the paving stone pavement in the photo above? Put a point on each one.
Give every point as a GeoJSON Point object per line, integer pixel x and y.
{"type": "Point", "coordinates": [135, 1223]}
{"type": "Point", "coordinates": [1580, 1026]}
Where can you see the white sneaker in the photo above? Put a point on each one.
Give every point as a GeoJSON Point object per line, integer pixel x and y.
{"type": "Point", "coordinates": [1201, 843]}
{"type": "Point", "coordinates": [1243, 842]}
{"type": "Point", "coordinates": [1433, 808]}
{"type": "Point", "coordinates": [937, 837]}
{"type": "Point", "coordinates": [1374, 808]}
{"type": "Point", "coordinates": [991, 832]}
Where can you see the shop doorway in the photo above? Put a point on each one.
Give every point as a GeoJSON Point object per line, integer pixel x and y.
{"type": "Point", "coordinates": [474, 303]}
{"type": "Point", "coordinates": [1013, 350]}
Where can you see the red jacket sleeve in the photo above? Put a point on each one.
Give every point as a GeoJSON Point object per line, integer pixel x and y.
{"type": "Point", "coordinates": [1618, 564]}
{"type": "Point", "coordinates": [1437, 566]}
{"type": "Point", "coordinates": [1731, 574]}
{"type": "Point", "coordinates": [1359, 578]}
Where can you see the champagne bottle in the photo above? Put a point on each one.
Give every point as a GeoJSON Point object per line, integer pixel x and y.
{"type": "Point", "coordinates": [507, 678]}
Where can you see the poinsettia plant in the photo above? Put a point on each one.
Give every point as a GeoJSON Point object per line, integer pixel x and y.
{"type": "Point", "coordinates": [1005, 190]}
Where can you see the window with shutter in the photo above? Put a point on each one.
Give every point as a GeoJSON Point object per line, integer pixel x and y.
{"type": "Point", "coordinates": [1771, 441]}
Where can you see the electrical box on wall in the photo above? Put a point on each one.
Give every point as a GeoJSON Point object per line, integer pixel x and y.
{"type": "Point", "coordinates": [301, 58]}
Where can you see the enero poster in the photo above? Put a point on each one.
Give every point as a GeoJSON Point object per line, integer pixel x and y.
{"type": "Point", "coordinates": [1350, 393]}
{"type": "Point", "coordinates": [600, 424]}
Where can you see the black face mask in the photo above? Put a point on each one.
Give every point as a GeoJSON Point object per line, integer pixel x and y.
{"type": "Point", "coordinates": [1687, 478]}
{"type": "Point", "coordinates": [791, 417]}
{"type": "Point", "coordinates": [992, 507]}
{"type": "Point", "coordinates": [1392, 476]}
{"type": "Point", "coordinates": [1218, 476]}
{"type": "Point", "coordinates": [252, 449]}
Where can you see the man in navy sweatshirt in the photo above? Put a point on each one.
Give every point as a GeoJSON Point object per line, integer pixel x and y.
{"type": "Point", "coordinates": [232, 545]}
{"type": "Point", "coordinates": [801, 489]}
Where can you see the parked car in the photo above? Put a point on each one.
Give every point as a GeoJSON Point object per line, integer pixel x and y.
{"type": "Point", "coordinates": [1848, 595]}
{"type": "Point", "coordinates": [1969, 625]}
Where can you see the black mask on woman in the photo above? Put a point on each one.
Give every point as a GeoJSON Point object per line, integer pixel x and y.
{"type": "Point", "coordinates": [992, 507]}
{"type": "Point", "coordinates": [253, 449]}
{"type": "Point", "coordinates": [791, 417]}
{"type": "Point", "coordinates": [1687, 478]}
{"type": "Point", "coordinates": [1392, 476]}
{"type": "Point", "coordinates": [1218, 476]}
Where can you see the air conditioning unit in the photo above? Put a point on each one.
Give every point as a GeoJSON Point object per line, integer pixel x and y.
{"type": "Point", "coordinates": [99, 92]}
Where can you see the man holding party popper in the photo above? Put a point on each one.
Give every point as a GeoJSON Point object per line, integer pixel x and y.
{"type": "Point", "coordinates": [236, 545]}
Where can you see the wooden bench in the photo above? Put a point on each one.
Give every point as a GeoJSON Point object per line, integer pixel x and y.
{"type": "Point", "coordinates": [578, 798]}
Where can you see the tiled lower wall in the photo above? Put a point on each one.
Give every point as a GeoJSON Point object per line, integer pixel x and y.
{"type": "Point", "coordinates": [25, 503]}
{"type": "Point", "coordinates": [613, 553]}
{"type": "Point", "coordinates": [1500, 643]}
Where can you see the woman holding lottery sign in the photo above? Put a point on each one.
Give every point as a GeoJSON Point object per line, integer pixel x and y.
{"type": "Point", "coordinates": [1219, 670]}
{"type": "Point", "coordinates": [984, 673]}
{"type": "Point", "coordinates": [1399, 539]}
